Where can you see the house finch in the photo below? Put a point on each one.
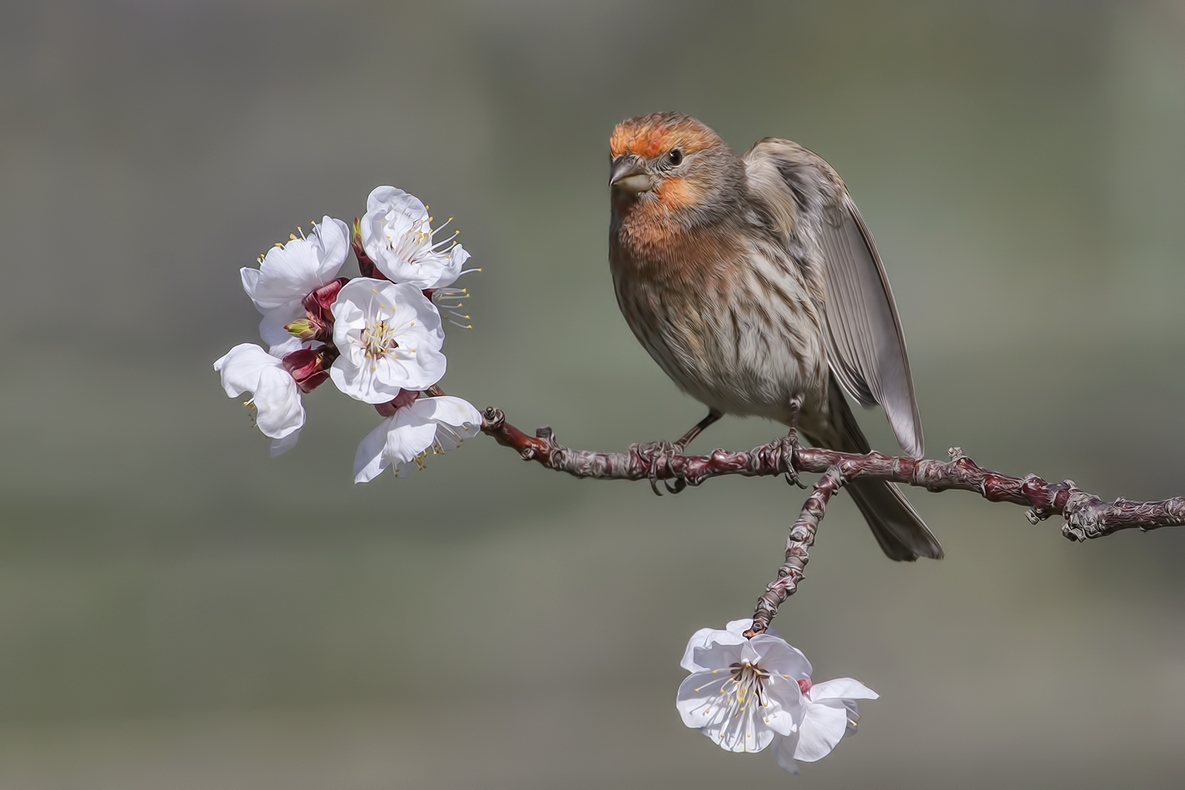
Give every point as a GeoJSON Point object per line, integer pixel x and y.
{"type": "Point", "coordinates": [754, 283]}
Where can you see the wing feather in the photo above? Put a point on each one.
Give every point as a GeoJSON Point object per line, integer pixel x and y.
{"type": "Point", "coordinates": [864, 331]}
{"type": "Point", "coordinates": [866, 347]}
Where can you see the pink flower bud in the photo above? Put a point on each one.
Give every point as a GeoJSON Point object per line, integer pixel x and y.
{"type": "Point", "coordinates": [308, 329]}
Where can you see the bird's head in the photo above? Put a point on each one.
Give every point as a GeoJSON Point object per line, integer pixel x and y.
{"type": "Point", "coordinates": [670, 160]}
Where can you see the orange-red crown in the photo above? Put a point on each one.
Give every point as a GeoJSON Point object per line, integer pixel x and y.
{"type": "Point", "coordinates": [647, 136]}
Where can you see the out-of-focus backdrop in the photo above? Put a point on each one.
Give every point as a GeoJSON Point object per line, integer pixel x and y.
{"type": "Point", "coordinates": [178, 610]}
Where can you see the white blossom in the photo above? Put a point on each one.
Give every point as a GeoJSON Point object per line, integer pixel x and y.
{"type": "Point", "coordinates": [287, 273]}
{"type": "Point", "coordinates": [741, 693]}
{"type": "Point", "coordinates": [747, 694]}
{"type": "Point", "coordinates": [276, 408]}
{"type": "Point", "coordinates": [439, 424]}
{"type": "Point", "coordinates": [829, 713]}
{"type": "Point", "coordinates": [397, 235]}
{"type": "Point", "coordinates": [389, 336]}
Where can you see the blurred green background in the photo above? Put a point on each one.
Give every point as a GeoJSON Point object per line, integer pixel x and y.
{"type": "Point", "coordinates": [179, 611]}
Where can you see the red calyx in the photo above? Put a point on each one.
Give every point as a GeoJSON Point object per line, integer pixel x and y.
{"type": "Point", "coordinates": [308, 366]}
{"type": "Point", "coordinates": [317, 303]}
{"type": "Point", "coordinates": [404, 398]}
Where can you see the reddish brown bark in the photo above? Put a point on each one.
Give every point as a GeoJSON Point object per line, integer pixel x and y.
{"type": "Point", "coordinates": [1086, 515]}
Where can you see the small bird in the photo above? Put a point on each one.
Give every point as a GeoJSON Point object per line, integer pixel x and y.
{"type": "Point", "coordinates": [755, 285]}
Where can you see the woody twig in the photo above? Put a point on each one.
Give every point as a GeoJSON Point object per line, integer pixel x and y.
{"type": "Point", "coordinates": [1085, 515]}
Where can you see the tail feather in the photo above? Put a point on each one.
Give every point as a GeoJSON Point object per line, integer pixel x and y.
{"type": "Point", "coordinates": [898, 528]}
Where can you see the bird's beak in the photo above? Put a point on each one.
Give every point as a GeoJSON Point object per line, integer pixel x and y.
{"type": "Point", "coordinates": [628, 174]}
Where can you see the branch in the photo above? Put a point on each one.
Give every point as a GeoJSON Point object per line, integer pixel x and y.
{"type": "Point", "coordinates": [1086, 515]}
{"type": "Point", "coordinates": [802, 536]}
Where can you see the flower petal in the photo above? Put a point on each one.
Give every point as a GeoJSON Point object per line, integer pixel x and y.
{"type": "Point", "coordinates": [456, 419]}
{"type": "Point", "coordinates": [739, 627]}
{"type": "Point", "coordinates": [418, 316]}
{"type": "Point", "coordinates": [278, 400]}
{"type": "Point", "coordinates": [775, 655]}
{"type": "Point", "coordinates": [410, 435]}
{"type": "Point", "coordinates": [369, 461]}
{"type": "Point", "coordinates": [242, 366]}
{"type": "Point", "coordinates": [695, 695]}
{"type": "Point", "coordinates": [392, 199]}
{"type": "Point", "coordinates": [450, 270]}
{"type": "Point", "coordinates": [841, 688]}
{"type": "Point", "coordinates": [334, 236]}
{"type": "Point", "coordinates": [281, 446]}
{"type": "Point", "coordinates": [823, 726]}
{"type": "Point", "coordinates": [271, 329]}
{"type": "Point", "coordinates": [784, 746]}
{"type": "Point", "coordinates": [712, 648]}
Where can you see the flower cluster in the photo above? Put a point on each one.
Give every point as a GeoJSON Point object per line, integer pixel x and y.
{"type": "Point", "coordinates": [377, 337]}
{"type": "Point", "coordinates": [748, 694]}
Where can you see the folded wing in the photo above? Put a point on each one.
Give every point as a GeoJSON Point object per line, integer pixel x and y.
{"type": "Point", "coordinates": [866, 347]}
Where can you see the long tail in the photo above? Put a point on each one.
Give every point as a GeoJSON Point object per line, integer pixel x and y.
{"type": "Point", "coordinates": [899, 530]}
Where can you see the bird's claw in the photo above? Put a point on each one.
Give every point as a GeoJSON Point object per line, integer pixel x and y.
{"type": "Point", "coordinates": [788, 445]}
{"type": "Point", "coordinates": [657, 455]}
{"type": "Point", "coordinates": [677, 487]}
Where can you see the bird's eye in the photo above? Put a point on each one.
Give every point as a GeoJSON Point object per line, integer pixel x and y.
{"type": "Point", "coordinates": [675, 156]}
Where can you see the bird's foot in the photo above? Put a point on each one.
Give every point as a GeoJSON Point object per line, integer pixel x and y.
{"type": "Point", "coordinates": [788, 446]}
{"type": "Point", "coordinates": [656, 456]}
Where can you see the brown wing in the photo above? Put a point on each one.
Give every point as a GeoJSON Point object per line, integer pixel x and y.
{"type": "Point", "coordinates": [866, 347]}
